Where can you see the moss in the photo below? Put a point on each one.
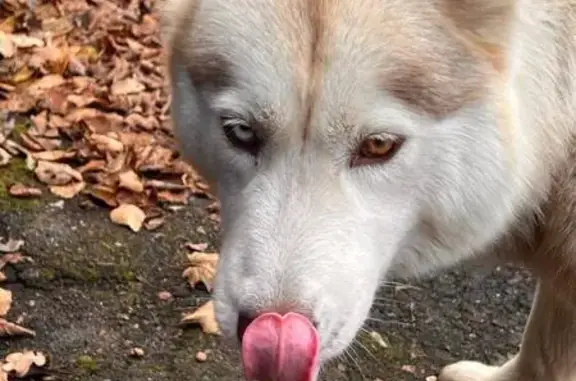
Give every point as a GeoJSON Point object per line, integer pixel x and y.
{"type": "Point", "coordinates": [128, 276]}
{"type": "Point", "coordinates": [21, 125]}
{"type": "Point", "coordinates": [16, 172]}
{"type": "Point", "coordinates": [87, 363]}
{"type": "Point", "coordinates": [80, 272]}
{"type": "Point", "coordinates": [47, 274]}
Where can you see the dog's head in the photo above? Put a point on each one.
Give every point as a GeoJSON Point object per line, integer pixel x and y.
{"type": "Point", "coordinates": [345, 139]}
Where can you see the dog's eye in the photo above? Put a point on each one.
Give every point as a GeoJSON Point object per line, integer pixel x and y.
{"type": "Point", "coordinates": [240, 135]}
{"type": "Point", "coordinates": [375, 149]}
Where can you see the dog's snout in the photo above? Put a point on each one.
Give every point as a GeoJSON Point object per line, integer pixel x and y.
{"type": "Point", "coordinates": [244, 320]}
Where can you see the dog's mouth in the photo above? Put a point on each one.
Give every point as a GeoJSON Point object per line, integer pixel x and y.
{"type": "Point", "coordinates": [279, 348]}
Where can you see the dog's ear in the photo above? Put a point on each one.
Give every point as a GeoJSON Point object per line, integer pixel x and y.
{"type": "Point", "coordinates": [172, 14]}
{"type": "Point", "coordinates": [483, 23]}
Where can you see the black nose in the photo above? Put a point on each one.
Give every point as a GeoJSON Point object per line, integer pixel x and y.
{"type": "Point", "coordinates": [244, 321]}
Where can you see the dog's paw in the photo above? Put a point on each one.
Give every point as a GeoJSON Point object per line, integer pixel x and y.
{"type": "Point", "coordinates": [468, 371]}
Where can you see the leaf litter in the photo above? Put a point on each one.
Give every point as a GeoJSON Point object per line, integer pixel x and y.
{"type": "Point", "coordinates": [9, 254]}
{"type": "Point", "coordinates": [202, 269]}
{"type": "Point", "coordinates": [89, 77]}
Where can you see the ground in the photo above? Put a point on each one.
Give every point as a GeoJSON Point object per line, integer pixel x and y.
{"type": "Point", "coordinates": [84, 114]}
{"type": "Point", "coordinates": [91, 296]}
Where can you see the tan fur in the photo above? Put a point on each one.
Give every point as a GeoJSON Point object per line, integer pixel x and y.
{"type": "Point", "coordinates": [438, 58]}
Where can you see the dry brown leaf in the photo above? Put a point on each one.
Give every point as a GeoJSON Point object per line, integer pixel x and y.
{"type": "Point", "coordinates": [129, 215]}
{"type": "Point", "coordinates": [11, 246]}
{"type": "Point", "coordinates": [54, 155]}
{"type": "Point", "coordinates": [106, 143]}
{"type": "Point", "coordinates": [11, 329]}
{"type": "Point", "coordinates": [154, 223]}
{"type": "Point", "coordinates": [21, 190]}
{"type": "Point", "coordinates": [12, 258]}
{"type": "Point", "coordinates": [205, 317]}
{"type": "Point", "coordinates": [7, 46]}
{"type": "Point", "coordinates": [92, 165]}
{"type": "Point", "coordinates": [22, 75]}
{"type": "Point", "coordinates": [147, 123]}
{"type": "Point", "coordinates": [174, 197]}
{"type": "Point", "coordinates": [200, 246]}
{"type": "Point", "coordinates": [104, 194]}
{"type": "Point", "coordinates": [202, 269]}
{"type": "Point", "coordinates": [20, 363]}
{"type": "Point", "coordinates": [127, 86]}
{"type": "Point", "coordinates": [29, 142]}
{"type": "Point", "coordinates": [68, 191]}
{"type": "Point", "coordinates": [5, 301]}
{"type": "Point", "coordinates": [56, 173]}
{"type": "Point", "coordinates": [24, 41]}
{"type": "Point", "coordinates": [4, 157]}
{"type": "Point", "coordinates": [136, 352]}
{"type": "Point", "coordinates": [45, 83]}
{"type": "Point", "coordinates": [130, 180]}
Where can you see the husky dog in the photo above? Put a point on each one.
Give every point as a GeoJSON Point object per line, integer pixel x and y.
{"type": "Point", "coordinates": [354, 140]}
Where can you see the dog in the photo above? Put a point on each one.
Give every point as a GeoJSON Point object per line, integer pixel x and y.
{"type": "Point", "coordinates": [350, 141]}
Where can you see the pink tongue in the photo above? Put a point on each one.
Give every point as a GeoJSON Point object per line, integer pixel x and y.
{"type": "Point", "coordinates": [280, 348]}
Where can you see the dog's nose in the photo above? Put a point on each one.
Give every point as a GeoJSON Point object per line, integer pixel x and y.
{"type": "Point", "coordinates": [244, 320]}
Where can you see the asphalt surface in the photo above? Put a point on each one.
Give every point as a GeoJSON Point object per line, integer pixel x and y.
{"type": "Point", "coordinates": [91, 296]}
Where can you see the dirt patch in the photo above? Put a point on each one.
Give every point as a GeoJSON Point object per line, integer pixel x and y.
{"type": "Point", "coordinates": [91, 295]}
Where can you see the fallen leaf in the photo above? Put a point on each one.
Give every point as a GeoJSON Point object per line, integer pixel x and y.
{"type": "Point", "coordinates": [104, 194]}
{"type": "Point", "coordinates": [137, 352]}
{"type": "Point", "coordinates": [12, 258]}
{"type": "Point", "coordinates": [56, 173]}
{"type": "Point", "coordinates": [12, 245]}
{"type": "Point", "coordinates": [147, 123]}
{"type": "Point", "coordinates": [205, 317]}
{"type": "Point", "coordinates": [68, 191]}
{"type": "Point", "coordinates": [21, 190]}
{"type": "Point", "coordinates": [129, 215]}
{"type": "Point", "coordinates": [45, 83]}
{"type": "Point", "coordinates": [202, 269]}
{"type": "Point", "coordinates": [127, 86]}
{"type": "Point", "coordinates": [130, 180]}
{"type": "Point", "coordinates": [4, 157]}
{"type": "Point", "coordinates": [20, 363]}
{"type": "Point", "coordinates": [24, 41]}
{"type": "Point", "coordinates": [409, 368]}
{"type": "Point", "coordinates": [5, 301]}
{"type": "Point", "coordinates": [7, 46]}
{"type": "Point", "coordinates": [54, 155]}
{"type": "Point", "coordinates": [174, 197]}
{"type": "Point", "coordinates": [154, 223]}
{"type": "Point", "coordinates": [201, 246]}
{"type": "Point", "coordinates": [22, 75]}
{"type": "Point", "coordinates": [10, 329]}
{"type": "Point", "coordinates": [106, 143]}
{"type": "Point", "coordinates": [379, 339]}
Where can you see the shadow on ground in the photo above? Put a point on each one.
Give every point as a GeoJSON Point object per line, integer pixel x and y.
{"type": "Point", "coordinates": [91, 296]}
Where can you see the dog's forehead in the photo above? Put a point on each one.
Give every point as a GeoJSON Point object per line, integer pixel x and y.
{"type": "Point", "coordinates": [296, 55]}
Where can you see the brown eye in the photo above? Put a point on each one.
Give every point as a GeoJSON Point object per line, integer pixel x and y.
{"type": "Point", "coordinates": [374, 150]}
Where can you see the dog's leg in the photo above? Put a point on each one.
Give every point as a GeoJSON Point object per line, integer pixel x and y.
{"type": "Point", "coordinates": [548, 350]}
